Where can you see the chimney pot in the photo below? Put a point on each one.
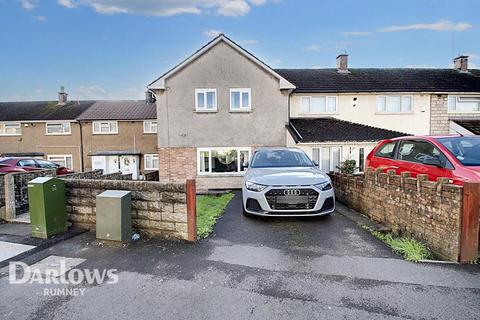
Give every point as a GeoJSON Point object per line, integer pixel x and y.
{"type": "Point", "coordinates": [62, 96]}
{"type": "Point", "coordinates": [460, 63]}
{"type": "Point", "coordinates": [342, 63]}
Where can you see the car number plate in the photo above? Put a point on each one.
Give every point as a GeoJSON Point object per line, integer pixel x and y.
{"type": "Point", "coordinates": [292, 199]}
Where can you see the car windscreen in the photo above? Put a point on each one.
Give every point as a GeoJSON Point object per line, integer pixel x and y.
{"type": "Point", "coordinates": [280, 158]}
{"type": "Point", "coordinates": [465, 149]}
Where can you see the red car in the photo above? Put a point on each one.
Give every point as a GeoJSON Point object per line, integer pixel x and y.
{"type": "Point", "coordinates": [8, 165]}
{"type": "Point", "coordinates": [453, 156]}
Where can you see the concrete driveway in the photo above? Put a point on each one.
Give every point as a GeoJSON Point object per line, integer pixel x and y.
{"type": "Point", "coordinates": [325, 268]}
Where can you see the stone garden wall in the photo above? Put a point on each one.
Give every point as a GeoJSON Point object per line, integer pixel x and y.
{"type": "Point", "coordinates": [158, 209]}
{"type": "Point", "coordinates": [428, 211]}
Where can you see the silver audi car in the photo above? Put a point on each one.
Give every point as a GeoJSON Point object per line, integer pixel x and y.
{"type": "Point", "coordinates": [284, 182]}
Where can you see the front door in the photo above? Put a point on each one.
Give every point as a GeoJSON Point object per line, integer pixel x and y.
{"type": "Point", "coordinates": [129, 164]}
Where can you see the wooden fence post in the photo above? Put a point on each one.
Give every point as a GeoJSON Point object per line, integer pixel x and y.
{"type": "Point", "coordinates": [192, 210]}
{"type": "Point", "coordinates": [470, 222]}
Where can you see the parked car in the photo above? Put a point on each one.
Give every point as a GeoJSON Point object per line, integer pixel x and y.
{"type": "Point", "coordinates": [22, 164]}
{"type": "Point", "coordinates": [454, 156]}
{"type": "Point", "coordinates": [284, 182]}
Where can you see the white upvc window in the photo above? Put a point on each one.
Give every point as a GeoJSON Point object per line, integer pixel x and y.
{"type": "Point", "coordinates": [58, 128]}
{"type": "Point", "coordinates": [149, 126]}
{"type": "Point", "coordinates": [105, 127]}
{"type": "Point", "coordinates": [10, 129]}
{"type": "Point", "coordinates": [151, 162]}
{"type": "Point", "coordinates": [395, 104]}
{"type": "Point", "coordinates": [463, 103]}
{"type": "Point", "coordinates": [64, 160]}
{"type": "Point", "coordinates": [206, 100]}
{"type": "Point", "coordinates": [240, 99]}
{"type": "Point", "coordinates": [328, 158]}
{"type": "Point", "coordinates": [218, 161]}
{"type": "Point", "coordinates": [319, 104]}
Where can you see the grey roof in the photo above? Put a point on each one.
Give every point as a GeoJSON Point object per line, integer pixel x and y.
{"type": "Point", "coordinates": [307, 130]}
{"type": "Point", "coordinates": [120, 110]}
{"type": "Point", "coordinates": [472, 125]}
{"type": "Point", "coordinates": [42, 110]}
{"type": "Point", "coordinates": [382, 80]}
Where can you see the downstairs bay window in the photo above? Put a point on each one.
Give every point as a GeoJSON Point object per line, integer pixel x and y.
{"type": "Point", "coordinates": [222, 160]}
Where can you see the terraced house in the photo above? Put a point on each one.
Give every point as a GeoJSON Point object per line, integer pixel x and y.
{"type": "Point", "coordinates": [82, 135]}
{"type": "Point", "coordinates": [220, 104]}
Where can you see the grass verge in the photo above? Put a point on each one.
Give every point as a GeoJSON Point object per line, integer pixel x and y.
{"type": "Point", "coordinates": [209, 209]}
{"type": "Point", "coordinates": [410, 249]}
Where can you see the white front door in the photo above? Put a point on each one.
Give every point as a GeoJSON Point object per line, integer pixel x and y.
{"type": "Point", "coordinates": [130, 164]}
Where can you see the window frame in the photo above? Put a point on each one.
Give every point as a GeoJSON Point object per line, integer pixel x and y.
{"type": "Point", "coordinates": [209, 150]}
{"type": "Point", "coordinates": [310, 98]}
{"type": "Point", "coordinates": [395, 150]}
{"type": "Point", "coordinates": [457, 100]}
{"type": "Point", "coordinates": [331, 150]}
{"type": "Point", "coordinates": [145, 161]}
{"type": "Point", "coordinates": [150, 122]}
{"type": "Point", "coordinates": [58, 123]}
{"type": "Point", "coordinates": [401, 96]}
{"type": "Point", "coordinates": [100, 125]}
{"type": "Point", "coordinates": [241, 91]}
{"type": "Point", "coordinates": [205, 91]}
{"type": "Point", "coordinates": [64, 156]}
{"type": "Point", "coordinates": [8, 123]}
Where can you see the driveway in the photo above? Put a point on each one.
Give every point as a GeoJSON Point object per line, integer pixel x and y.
{"type": "Point", "coordinates": [326, 268]}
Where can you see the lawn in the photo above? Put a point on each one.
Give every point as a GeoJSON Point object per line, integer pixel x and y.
{"type": "Point", "coordinates": [209, 209]}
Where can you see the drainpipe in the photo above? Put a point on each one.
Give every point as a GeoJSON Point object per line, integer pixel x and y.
{"type": "Point", "coordinates": [81, 147]}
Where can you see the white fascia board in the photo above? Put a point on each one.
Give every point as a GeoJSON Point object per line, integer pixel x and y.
{"type": "Point", "coordinates": [159, 84]}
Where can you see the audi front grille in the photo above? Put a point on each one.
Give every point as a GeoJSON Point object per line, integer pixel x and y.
{"type": "Point", "coordinates": [292, 199]}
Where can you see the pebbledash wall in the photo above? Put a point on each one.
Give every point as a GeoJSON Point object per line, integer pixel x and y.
{"type": "Point", "coordinates": [158, 209]}
{"type": "Point", "coordinates": [428, 211]}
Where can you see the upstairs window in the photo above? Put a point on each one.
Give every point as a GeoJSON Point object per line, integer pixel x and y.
{"type": "Point", "coordinates": [394, 104]}
{"type": "Point", "coordinates": [240, 99]}
{"type": "Point", "coordinates": [149, 126]}
{"type": "Point", "coordinates": [58, 128]}
{"type": "Point", "coordinates": [206, 99]}
{"type": "Point", "coordinates": [10, 129]}
{"type": "Point", "coordinates": [319, 104]}
{"type": "Point", "coordinates": [105, 127]}
{"type": "Point", "coordinates": [463, 103]}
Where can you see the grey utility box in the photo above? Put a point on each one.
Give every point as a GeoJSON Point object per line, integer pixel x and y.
{"type": "Point", "coordinates": [114, 215]}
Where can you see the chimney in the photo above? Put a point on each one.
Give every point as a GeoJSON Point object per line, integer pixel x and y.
{"type": "Point", "coordinates": [62, 96]}
{"type": "Point", "coordinates": [460, 63]}
{"type": "Point", "coordinates": [342, 63]}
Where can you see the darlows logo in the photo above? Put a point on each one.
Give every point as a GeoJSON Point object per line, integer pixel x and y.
{"type": "Point", "coordinates": [60, 275]}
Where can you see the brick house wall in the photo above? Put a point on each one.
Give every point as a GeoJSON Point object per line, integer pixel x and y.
{"type": "Point", "coordinates": [439, 114]}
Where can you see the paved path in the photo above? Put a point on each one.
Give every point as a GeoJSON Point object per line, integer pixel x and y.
{"type": "Point", "coordinates": [326, 268]}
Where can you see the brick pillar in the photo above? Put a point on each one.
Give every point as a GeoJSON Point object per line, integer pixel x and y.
{"type": "Point", "coordinates": [439, 114]}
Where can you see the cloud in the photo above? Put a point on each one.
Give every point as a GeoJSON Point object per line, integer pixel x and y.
{"type": "Point", "coordinates": [67, 3]}
{"type": "Point", "coordinates": [212, 33]}
{"type": "Point", "coordinates": [28, 4]}
{"type": "Point", "coordinates": [232, 8]}
{"type": "Point", "coordinates": [328, 46]}
{"type": "Point", "coordinates": [41, 18]}
{"type": "Point", "coordinates": [442, 25]}
{"type": "Point", "coordinates": [356, 33]}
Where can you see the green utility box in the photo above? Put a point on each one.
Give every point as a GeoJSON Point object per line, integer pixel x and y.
{"type": "Point", "coordinates": [46, 198]}
{"type": "Point", "coordinates": [114, 215]}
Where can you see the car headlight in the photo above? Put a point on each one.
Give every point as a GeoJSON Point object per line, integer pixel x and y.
{"type": "Point", "coordinates": [324, 186]}
{"type": "Point", "coordinates": [254, 186]}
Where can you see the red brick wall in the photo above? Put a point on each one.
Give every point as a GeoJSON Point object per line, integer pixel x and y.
{"type": "Point", "coordinates": [177, 164]}
{"type": "Point", "coordinates": [427, 211]}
